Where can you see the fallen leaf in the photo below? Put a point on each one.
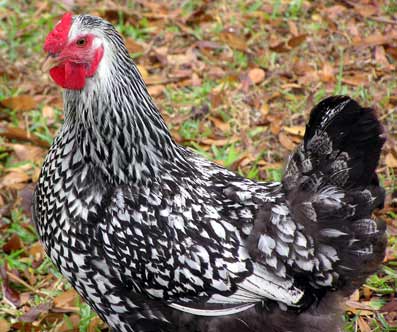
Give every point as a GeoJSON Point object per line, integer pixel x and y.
{"type": "Point", "coordinates": [133, 46]}
{"type": "Point", "coordinates": [293, 28]}
{"type": "Point", "coordinates": [21, 134]}
{"type": "Point", "coordinates": [36, 250]}
{"type": "Point", "coordinates": [203, 44]}
{"type": "Point", "coordinates": [375, 39]}
{"type": "Point", "coordinates": [265, 109]}
{"type": "Point", "coordinates": [220, 124]}
{"type": "Point", "coordinates": [380, 56]}
{"type": "Point", "coordinates": [233, 40]}
{"type": "Point", "coordinates": [95, 324]}
{"type": "Point", "coordinates": [143, 71]}
{"type": "Point", "coordinates": [13, 178]}
{"type": "Point", "coordinates": [26, 152]}
{"type": "Point", "coordinates": [156, 90]}
{"type": "Point", "coordinates": [392, 51]}
{"type": "Point", "coordinates": [218, 142]}
{"type": "Point", "coordinates": [357, 79]}
{"type": "Point", "coordinates": [279, 47]}
{"type": "Point", "coordinates": [275, 124]}
{"type": "Point", "coordinates": [66, 299]}
{"type": "Point", "coordinates": [390, 306]}
{"type": "Point", "coordinates": [4, 325]}
{"type": "Point", "coordinates": [256, 75]}
{"type": "Point", "coordinates": [355, 296]}
{"type": "Point", "coordinates": [391, 160]}
{"type": "Point", "coordinates": [71, 325]}
{"type": "Point", "coordinates": [48, 112]}
{"type": "Point", "coordinates": [295, 130]}
{"type": "Point", "coordinates": [24, 198]}
{"type": "Point", "coordinates": [9, 294]}
{"type": "Point", "coordinates": [327, 73]}
{"type": "Point", "coordinates": [367, 292]}
{"type": "Point", "coordinates": [34, 313]}
{"type": "Point", "coordinates": [19, 103]}
{"type": "Point", "coordinates": [363, 325]}
{"type": "Point", "coordinates": [14, 243]}
{"type": "Point", "coordinates": [366, 10]}
{"type": "Point", "coordinates": [295, 41]}
{"type": "Point", "coordinates": [286, 141]}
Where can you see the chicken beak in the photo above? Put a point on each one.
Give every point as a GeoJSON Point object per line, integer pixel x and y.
{"type": "Point", "coordinates": [50, 62]}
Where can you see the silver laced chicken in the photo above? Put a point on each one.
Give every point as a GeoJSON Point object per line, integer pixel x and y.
{"type": "Point", "coordinates": [156, 238]}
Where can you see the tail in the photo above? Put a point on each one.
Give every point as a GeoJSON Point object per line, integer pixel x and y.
{"type": "Point", "coordinates": [332, 190]}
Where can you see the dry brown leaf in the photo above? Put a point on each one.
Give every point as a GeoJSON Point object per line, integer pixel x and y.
{"type": "Point", "coordinates": [34, 313]}
{"type": "Point", "coordinates": [133, 46]}
{"type": "Point", "coordinates": [143, 71]}
{"type": "Point", "coordinates": [355, 296]}
{"type": "Point", "coordinates": [357, 79]}
{"type": "Point", "coordinates": [48, 112]}
{"type": "Point", "coordinates": [390, 306]}
{"type": "Point", "coordinates": [327, 73]}
{"type": "Point", "coordinates": [73, 320]}
{"type": "Point", "coordinates": [279, 47]}
{"type": "Point", "coordinates": [220, 124]}
{"type": "Point", "coordinates": [363, 325]}
{"type": "Point", "coordinates": [293, 28]}
{"type": "Point", "coordinates": [4, 325]}
{"type": "Point", "coordinates": [218, 142]}
{"type": "Point", "coordinates": [391, 160]}
{"type": "Point", "coordinates": [286, 141]}
{"type": "Point", "coordinates": [13, 178]}
{"type": "Point", "coordinates": [380, 56]}
{"type": "Point", "coordinates": [36, 250]}
{"type": "Point", "coordinates": [14, 243]}
{"type": "Point", "coordinates": [334, 12]}
{"type": "Point", "coordinates": [295, 130]}
{"type": "Point", "coordinates": [275, 124]}
{"type": "Point", "coordinates": [233, 40]}
{"type": "Point", "coordinates": [392, 51]}
{"type": "Point", "coordinates": [295, 41]}
{"type": "Point", "coordinates": [9, 294]}
{"type": "Point", "coordinates": [19, 103]}
{"type": "Point", "coordinates": [21, 134]}
{"type": "Point", "coordinates": [375, 39]}
{"type": "Point", "coordinates": [95, 324]}
{"type": "Point", "coordinates": [256, 75]}
{"type": "Point", "coordinates": [156, 90]}
{"type": "Point", "coordinates": [367, 293]}
{"type": "Point", "coordinates": [366, 10]}
{"type": "Point", "coordinates": [265, 109]}
{"type": "Point", "coordinates": [66, 299]}
{"type": "Point", "coordinates": [27, 152]}
{"type": "Point", "coordinates": [36, 174]}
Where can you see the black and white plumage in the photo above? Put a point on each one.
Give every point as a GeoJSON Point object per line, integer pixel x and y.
{"type": "Point", "coordinates": [156, 238]}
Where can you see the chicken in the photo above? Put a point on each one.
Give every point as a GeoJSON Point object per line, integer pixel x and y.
{"type": "Point", "coordinates": [156, 238]}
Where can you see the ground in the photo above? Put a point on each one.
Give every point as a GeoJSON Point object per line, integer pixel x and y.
{"type": "Point", "coordinates": [234, 80]}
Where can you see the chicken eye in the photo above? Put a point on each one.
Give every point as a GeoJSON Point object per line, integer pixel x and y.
{"type": "Point", "coordinates": [81, 42]}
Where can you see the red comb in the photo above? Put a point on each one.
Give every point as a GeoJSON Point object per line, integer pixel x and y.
{"type": "Point", "coordinates": [58, 37]}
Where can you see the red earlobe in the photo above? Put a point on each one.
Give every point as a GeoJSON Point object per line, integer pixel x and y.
{"type": "Point", "coordinates": [95, 62]}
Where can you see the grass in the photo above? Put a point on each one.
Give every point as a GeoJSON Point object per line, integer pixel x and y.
{"type": "Point", "coordinates": [213, 110]}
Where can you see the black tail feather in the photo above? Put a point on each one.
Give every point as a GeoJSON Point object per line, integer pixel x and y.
{"type": "Point", "coordinates": [332, 190]}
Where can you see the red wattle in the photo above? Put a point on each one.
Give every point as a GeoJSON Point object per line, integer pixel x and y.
{"type": "Point", "coordinates": [69, 75]}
